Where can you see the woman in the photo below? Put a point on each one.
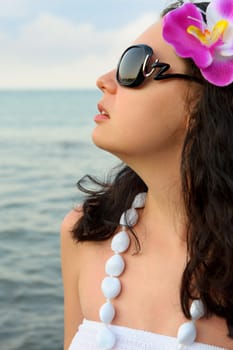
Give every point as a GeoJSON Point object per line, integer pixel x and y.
{"type": "Point", "coordinates": [147, 261]}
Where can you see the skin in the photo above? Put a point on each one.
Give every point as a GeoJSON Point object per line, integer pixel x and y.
{"type": "Point", "coordinates": [146, 129]}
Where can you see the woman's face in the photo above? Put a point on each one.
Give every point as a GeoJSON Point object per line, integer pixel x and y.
{"type": "Point", "coordinates": [149, 120]}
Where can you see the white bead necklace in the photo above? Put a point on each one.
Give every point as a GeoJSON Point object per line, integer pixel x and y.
{"type": "Point", "coordinates": [111, 285]}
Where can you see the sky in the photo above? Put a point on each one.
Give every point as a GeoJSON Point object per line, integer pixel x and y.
{"type": "Point", "coordinates": [67, 43]}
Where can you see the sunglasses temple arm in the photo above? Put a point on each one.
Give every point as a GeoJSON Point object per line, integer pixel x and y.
{"type": "Point", "coordinates": [178, 76]}
{"type": "Point", "coordinates": [165, 66]}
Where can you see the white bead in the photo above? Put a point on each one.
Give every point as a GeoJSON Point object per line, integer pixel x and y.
{"type": "Point", "coordinates": [107, 313]}
{"type": "Point", "coordinates": [115, 265]}
{"type": "Point", "coordinates": [197, 309]}
{"type": "Point", "coordinates": [111, 287]}
{"type": "Point", "coordinates": [123, 220]}
{"type": "Point", "coordinates": [130, 217]}
{"type": "Point", "coordinates": [187, 333]}
{"type": "Point", "coordinates": [105, 339]}
{"type": "Point", "coordinates": [139, 200]}
{"type": "Point", "coordinates": [120, 242]}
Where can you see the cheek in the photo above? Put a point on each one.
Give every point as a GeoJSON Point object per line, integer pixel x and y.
{"type": "Point", "coordinates": [142, 123]}
{"type": "Point", "coordinates": [154, 122]}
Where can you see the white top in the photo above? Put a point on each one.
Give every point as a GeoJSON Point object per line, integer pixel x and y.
{"type": "Point", "coordinates": [129, 339]}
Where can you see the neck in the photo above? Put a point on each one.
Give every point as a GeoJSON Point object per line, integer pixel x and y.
{"type": "Point", "coordinates": [164, 209]}
{"type": "Point", "coordinates": [164, 215]}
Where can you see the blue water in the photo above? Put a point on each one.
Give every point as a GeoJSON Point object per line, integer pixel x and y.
{"type": "Point", "coordinates": [45, 147]}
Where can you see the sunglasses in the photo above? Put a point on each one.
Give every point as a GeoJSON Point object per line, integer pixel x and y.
{"type": "Point", "coordinates": [134, 67]}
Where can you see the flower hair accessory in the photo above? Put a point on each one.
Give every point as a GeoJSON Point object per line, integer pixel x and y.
{"type": "Point", "coordinates": [209, 44]}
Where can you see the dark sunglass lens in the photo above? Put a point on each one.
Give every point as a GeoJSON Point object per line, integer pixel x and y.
{"type": "Point", "coordinates": [130, 65]}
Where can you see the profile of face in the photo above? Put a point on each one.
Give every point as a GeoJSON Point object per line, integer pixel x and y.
{"type": "Point", "coordinates": [147, 121]}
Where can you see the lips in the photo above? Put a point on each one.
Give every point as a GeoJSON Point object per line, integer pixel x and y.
{"type": "Point", "coordinates": [102, 110]}
{"type": "Point", "coordinates": [104, 115]}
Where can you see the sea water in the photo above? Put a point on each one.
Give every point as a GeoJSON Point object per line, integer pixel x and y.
{"type": "Point", "coordinates": [45, 147]}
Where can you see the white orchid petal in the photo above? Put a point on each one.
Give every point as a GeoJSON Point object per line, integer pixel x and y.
{"type": "Point", "coordinates": [226, 51]}
{"type": "Point", "coordinates": [212, 16]}
{"type": "Point", "coordinates": [228, 35]}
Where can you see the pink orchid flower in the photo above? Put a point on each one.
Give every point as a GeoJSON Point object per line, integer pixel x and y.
{"type": "Point", "coordinates": [209, 44]}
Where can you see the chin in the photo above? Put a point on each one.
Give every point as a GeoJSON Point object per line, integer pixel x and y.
{"type": "Point", "coordinates": [100, 141]}
{"type": "Point", "coordinates": [111, 145]}
{"type": "Point", "coordinates": [106, 146]}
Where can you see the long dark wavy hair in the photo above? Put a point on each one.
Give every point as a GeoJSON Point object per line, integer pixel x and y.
{"type": "Point", "coordinates": [207, 187]}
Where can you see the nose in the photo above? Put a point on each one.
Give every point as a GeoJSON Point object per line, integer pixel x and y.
{"type": "Point", "coordinates": [107, 82]}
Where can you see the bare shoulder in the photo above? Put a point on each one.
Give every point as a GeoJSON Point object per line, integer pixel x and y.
{"type": "Point", "coordinates": [69, 246]}
{"type": "Point", "coordinates": [70, 264]}
{"type": "Point", "coordinates": [67, 225]}
{"type": "Point", "coordinates": [71, 219]}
